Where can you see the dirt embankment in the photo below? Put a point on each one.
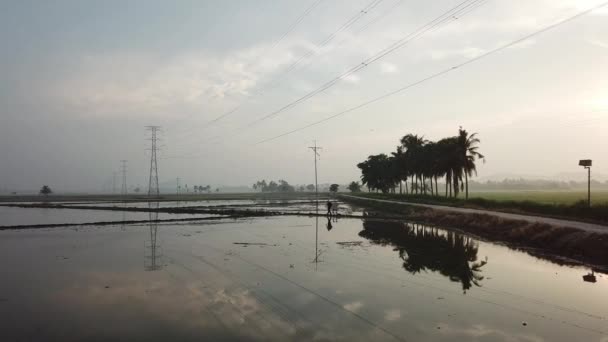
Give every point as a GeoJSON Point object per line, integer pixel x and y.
{"type": "Point", "coordinates": [576, 244]}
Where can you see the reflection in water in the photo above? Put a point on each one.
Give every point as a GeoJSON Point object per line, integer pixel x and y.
{"type": "Point", "coordinates": [590, 278]}
{"type": "Point", "coordinates": [124, 216]}
{"type": "Point", "coordinates": [452, 254]}
{"type": "Point", "coordinates": [152, 256]}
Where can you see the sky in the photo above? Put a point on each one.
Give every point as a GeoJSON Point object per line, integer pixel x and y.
{"type": "Point", "coordinates": [81, 80]}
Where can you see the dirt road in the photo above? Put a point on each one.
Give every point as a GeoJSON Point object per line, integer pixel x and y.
{"type": "Point", "coordinates": [590, 227]}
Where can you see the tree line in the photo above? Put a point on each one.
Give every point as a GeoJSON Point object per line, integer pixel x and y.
{"type": "Point", "coordinates": [422, 162]}
{"type": "Point", "coordinates": [272, 186]}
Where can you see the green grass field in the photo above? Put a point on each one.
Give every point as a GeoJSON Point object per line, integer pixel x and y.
{"type": "Point", "coordinates": [545, 197]}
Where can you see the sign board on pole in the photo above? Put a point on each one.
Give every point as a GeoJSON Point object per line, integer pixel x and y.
{"type": "Point", "coordinates": [585, 162]}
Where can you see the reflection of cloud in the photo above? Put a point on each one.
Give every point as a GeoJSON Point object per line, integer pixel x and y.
{"type": "Point", "coordinates": [354, 306]}
{"type": "Point", "coordinates": [392, 315]}
{"type": "Point", "coordinates": [479, 331]}
{"type": "Point", "coordinates": [194, 308]}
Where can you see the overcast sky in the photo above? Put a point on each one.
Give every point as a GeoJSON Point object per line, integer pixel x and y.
{"type": "Point", "coordinates": [81, 79]}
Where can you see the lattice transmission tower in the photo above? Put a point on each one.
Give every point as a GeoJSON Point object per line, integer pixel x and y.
{"type": "Point", "coordinates": [153, 180]}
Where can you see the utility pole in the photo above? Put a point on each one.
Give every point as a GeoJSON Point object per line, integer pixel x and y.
{"type": "Point", "coordinates": [177, 186]}
{"type": "Point", "coordinates": [589, 186]}
{"type": "Point", "coordinates": [123, 168]}
{"type": "Point", "coordinates": [316, 150]}
{"type": "Point", "coordinates": [587, 163]}
{"type": "Point", "coordinates": [153, 180]}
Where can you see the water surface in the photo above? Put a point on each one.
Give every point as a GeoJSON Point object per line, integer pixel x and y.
{"type": "Point", "coordinates": [288, 278]}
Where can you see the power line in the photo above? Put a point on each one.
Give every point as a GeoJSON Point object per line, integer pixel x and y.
{"type": "Point", "coordinates": [153, 189]}
{"type": "Point", "coordinates": [365, 10]}
{"type": "Point", "coordinates": [296, 23]}
{"type": "Point", "coordinates": [387, 11]}
{"type": "Point", "coordinates": [441, 73]}
{"type": "Point", "coordinates": [452, 14]}
{"type": "Point", "coordinates": [448, 16]}
{"type": "Point", "coordinates": [276, 43]}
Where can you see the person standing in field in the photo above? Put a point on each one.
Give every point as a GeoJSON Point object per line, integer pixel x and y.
{"type": "Point", "coordinates": [328, 208]}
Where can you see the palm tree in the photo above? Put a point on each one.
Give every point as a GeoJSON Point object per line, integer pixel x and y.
{"type": "Point", "coordinates": [412, 144]}
{"type": "Point", "coordinates": [468, 154]}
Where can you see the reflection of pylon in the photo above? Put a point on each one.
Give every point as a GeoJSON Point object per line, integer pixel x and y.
{"type": "Point", "coordinates": [153, 182]}
{"type": "Point", "coordinates": [153, 256]}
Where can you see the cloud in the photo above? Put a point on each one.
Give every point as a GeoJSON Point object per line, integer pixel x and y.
{"type": "Point", "coordinates": [388, 68]}
{"type": "Point", "coordinates": [352, 78]}
{"type": "Point", "coordinates": [467, 52]}
{"type": "Point", "coordinates": [138, 82]}
{"type": "Point", "coordinates": [598, 43]}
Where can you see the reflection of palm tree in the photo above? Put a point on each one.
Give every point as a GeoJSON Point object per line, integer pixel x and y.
{"type": "Point", "coordinates": [427, 248]}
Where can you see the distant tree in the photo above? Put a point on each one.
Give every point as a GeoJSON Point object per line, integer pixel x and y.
{"type": "Point", "coordinates": [284, 186]}
{"type": "Point", "coordinates": [137, 190]}
{"type": "Point", "coordinates": [217, 190]}
{"type": "Point", "coordinates": [302, 188]}
{"type": "Point", "coordinates": [354, 187]}
{"type": "Point", "coordinates": [334, 188]}
{"type": "Point", "coordinates": [272, 186]}
{"type": "Point", "coordinates": [45, 190]}
{"type": "Point", "coordinates": [310, 187]}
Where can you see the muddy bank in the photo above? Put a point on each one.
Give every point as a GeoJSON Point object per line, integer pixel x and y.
{"type": "Point", "coordinates": [542, 239]}
{"type": "Point", "coordinates": [114, 223]}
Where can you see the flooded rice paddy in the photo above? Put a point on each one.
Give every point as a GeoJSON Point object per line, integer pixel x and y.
{"type": "Point", "coordinates": [282, 278]}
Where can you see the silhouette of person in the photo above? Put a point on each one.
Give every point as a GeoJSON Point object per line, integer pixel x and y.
{"type": "Point", "coordinates": [328, 208]}
{"type": "Point", "coordinates": [329, 225]}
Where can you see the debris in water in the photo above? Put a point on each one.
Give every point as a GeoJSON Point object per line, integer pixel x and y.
{"type": "Point", "coordinates": [291, 266]}
{"type": "Point", "coordinates": [524, 323]}
{"type": "Point", "coordinates": [107, 286]}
